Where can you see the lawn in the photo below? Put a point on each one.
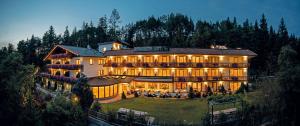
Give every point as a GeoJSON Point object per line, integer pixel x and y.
{"type": "Point", "coordinates": [168, 110]}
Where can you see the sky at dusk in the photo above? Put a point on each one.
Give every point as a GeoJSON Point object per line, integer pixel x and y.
{"type": "Point", "coordinates": [20, 19]}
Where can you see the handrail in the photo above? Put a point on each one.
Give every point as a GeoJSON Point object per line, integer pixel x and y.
{"type": "Point", "coordinates": [177, 64]}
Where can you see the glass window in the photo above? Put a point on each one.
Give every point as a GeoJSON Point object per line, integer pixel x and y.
{"type": "Point", "coordinates": [95, 92]}
{"type": "Point", "coordinates": [101, 92]}
{"type": "Point", "coordinates": [111, 90]}
{"type": "Point", "coordinates": [106, 91]}
{"type": "Point", "coordinates": [78, 61]}
{"type": "Point", "coordinates": [152, 86]}
{"type": "Point", "coordinates": [139, 85]}
{"type": "Point", "coordinates": [115, 89]}
{"type": "Point", "coordinates": [164, 86]}
{"type": "Point", "coordinates": [91, 61]}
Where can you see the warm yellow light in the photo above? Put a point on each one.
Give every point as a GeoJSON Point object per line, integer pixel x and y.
{"type": "Point", "coordinates": [220, 82]}
{"type": "Point", "coordinates": [190, 57]}
{"type": "Point", "coordinates": [140, 56]}
{"type": "Point", "coordinates": [221, 69]}
{"type": "Point", "coordinates": [245, 58]}
{"type": "Point", "coordinates": [125, 68]}
{"type": "Point", "coordinates": [205, 83]}
{"type": "Point", "coordinates": [155, 70]}
{"type": "Point", "coordinates": [189, 70]}
{"type": "Point", "coordinates": [140, 69]}
{"type": "Point", "coordinates": [205, 70]}
{"type": "Point", "coordinates": [155, 56]}
{"type": "Point", "coordinates": [189, 83]}
{"type": "Point", "coordinates": [125, 57]}
{"type": "Point", "coordinates": [245, 69]}
{"type": "Point", "coordinates": [173, 70]}
{"type": "Point", "coordinates": [205, 56]}
{"type": "Point", "coordinates": [221, 57]}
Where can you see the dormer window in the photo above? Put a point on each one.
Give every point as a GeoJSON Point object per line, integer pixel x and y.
{"type": "Point", "coordinates": [104, 49]}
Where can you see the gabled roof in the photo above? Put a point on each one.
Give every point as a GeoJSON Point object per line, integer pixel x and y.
{"type": "Point", "coordinates": [242, 52]}
{"type": "Point", "coordinates": [81, 51]}
{"type": "Point", "coordinates": [78, 51]}
{"type": "Point", "coordinates": [121, 42]}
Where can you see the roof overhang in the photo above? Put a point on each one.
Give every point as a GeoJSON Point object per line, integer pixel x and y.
{"type": "Point", "coordinates": [55, 47]}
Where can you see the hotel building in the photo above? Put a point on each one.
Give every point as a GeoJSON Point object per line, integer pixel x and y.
{"type": "Point", "coordinates": [115, 68]}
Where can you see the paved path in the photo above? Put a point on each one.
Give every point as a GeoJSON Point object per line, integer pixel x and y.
{"type": "Point", "coordinates": [115, 99]}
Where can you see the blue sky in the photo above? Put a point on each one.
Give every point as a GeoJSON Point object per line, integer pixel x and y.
{"type": "Point", "coordinates": [20, 19]}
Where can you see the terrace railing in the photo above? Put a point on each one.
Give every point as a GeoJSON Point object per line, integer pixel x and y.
{"type": "Point", "coordinates": [59, 78]}
{"type": "Point", "coordinates": [65, 66]}
{"type": "Point", "coordinates": [209, 78]}
{"type": "Point", "coordinates": [57, 56]}
{"type": "Point", "coordinates": [176, 65]}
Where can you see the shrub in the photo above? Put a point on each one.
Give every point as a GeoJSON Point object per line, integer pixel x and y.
{"type": "Point", "coordinates": [241, 89]}
{"type": "Point", "coordinates": [191, 94]}
{"type": "Point", "coordinates": [222, 89]}
{"type": "Point", "coordinates": [123, 95]}
{"type": "Point", "coordinates": [209, 92]}
{"type": "Point", "coordinates": [96, 107]}
{"type": "Point", "coordinates": [136, 94]}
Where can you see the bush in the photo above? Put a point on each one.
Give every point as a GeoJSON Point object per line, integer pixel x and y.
{"type": "Point", "coordinates": [222, 89]}
{"type": "Point", "coordinates": [96, 107]}
{"type": "Point", "coordinates": [123, 95]}
{"type": "Point", "coordinates": [191, 94]}
{"type": "Point", "coordinates": [209, 92]}
{"type": "Point", "coordinates": [136, 94]}
{"type": "Point", "coordinates": [241, 89]}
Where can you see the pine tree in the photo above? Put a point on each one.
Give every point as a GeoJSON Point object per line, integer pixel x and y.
{"type": "Point", "coordinates": [66, 38]}
{"type": "Point", "coordinates": [114, 21]}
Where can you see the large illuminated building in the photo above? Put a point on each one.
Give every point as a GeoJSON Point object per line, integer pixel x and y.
{"type": "Point", "coordinates": [114, 68]}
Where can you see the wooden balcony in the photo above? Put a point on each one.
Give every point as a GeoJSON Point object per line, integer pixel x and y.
{"type": "Point", "coordinates": [58, 56]}
{"type": "Point", "coordinates": [209, 78]}
{"type": "Point", "coordinates": [176, 65]}
{"type": "Point", "coordinates": [65, 66]}
{"type": "Point", "coordinates": [59, 77]}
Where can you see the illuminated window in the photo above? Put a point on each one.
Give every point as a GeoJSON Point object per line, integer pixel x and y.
{"type": "Point", "coordinates": [100, 72]}
{"type": "Point", "coordinates": [101, 92]}
{"type": "Point", "coordinates": [100, 61]}
{"type": "Point", "coordinates": [95, 92]}
{"type": "Point", "coordinates": [104, 49]}
{"type": "Point", "coordinates": [78, 61]}
{"type": "Point", "coordinates": [91, 61]}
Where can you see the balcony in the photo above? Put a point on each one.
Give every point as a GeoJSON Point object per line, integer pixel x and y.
{"type": "Point", "coordinates": [177, 65]}
{"type": "Point", "coordinates": [65, 66]}
{"type": "Point", "coordinates": [59, 78]}
{"type": "Point", "coordinates": [209, 78]}
{"type": "Point", "coordinates": [58, 56]}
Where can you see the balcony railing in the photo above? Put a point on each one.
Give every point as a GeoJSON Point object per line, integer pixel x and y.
{"type": "Point", "coordinates": [59, 78]}
{"type": "Point", "coordinates": [209, 78]}
{"type": "Point", "coordinates": [177, 65]}
{"type": "Point", "coordinates": [57, 56]}
{"type": "Point", "coordinates": [65, 66]}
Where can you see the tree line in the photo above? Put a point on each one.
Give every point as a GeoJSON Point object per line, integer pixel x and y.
{"type": "Point", "coordinates": [173, 30]}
